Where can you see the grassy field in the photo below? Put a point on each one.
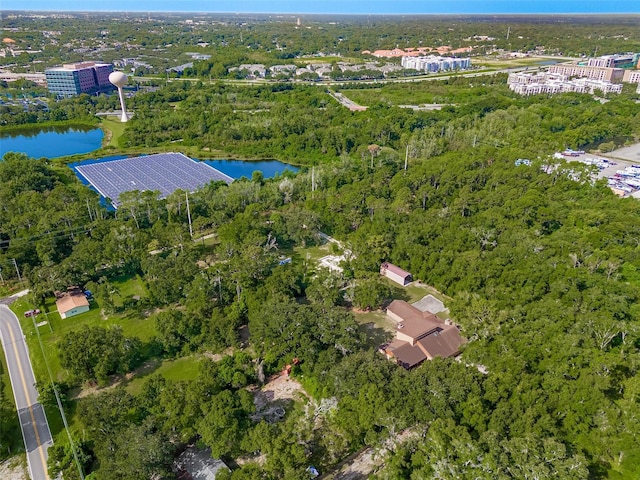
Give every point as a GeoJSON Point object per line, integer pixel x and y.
{"type": "Point", "coordinates": [114, 129]}
{"type": "Point", "coordinates": [393, 94]}
{"type": "Point", "coordinates": [376, 326]}
{"type": "Point", "coordinates": [313, 254]}
{"type": "Point", "coordinates": [133, 323]}
{"type": "Point", "coordinates": [185, 368]}
{"type": "Point", "coordinates": [501, 63]}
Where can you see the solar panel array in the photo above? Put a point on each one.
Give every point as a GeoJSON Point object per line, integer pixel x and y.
{"type": "Point", "coordinates": [166, 172]}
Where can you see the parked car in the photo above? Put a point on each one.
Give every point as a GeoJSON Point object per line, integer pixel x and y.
{"type": "Point", "coordinates": [31, 313]}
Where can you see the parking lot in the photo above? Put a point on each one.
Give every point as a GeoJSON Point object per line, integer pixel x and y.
{"type": "Point", "coordinates": [630, 154]}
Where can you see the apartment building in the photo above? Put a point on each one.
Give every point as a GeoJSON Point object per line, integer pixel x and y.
{"type": "Point", "coordinates": [605, 74]}
{"type": "Point", "coordinates": [433, 64]}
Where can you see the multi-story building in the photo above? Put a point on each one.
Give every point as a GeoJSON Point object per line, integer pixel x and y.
{"type": "Point", "coordinates": [432, 63]}
{"type": "Point", "coordinates": [631, 76]}
{"type": "Point", "coordinates": [628, 60]}
{"type": "Point", "coordinates": [76, 78]}
{"type": "Point", "coordinates": [551, 83]}
{"type": "Point", "coordinates": [528, 78]}
{"type": "Point", "coordinates": [605, 74]}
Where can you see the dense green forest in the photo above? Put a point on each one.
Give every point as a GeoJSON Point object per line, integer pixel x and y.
{"type": "Point", "coordinates": [541, 268]}
{"type": "Point", "coordinates": [305, 125]}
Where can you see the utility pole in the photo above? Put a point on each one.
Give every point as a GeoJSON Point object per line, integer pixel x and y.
{"type": "Point", "coordinates": [1, 279]}
{"type": "Point", "coordinates": [508, 32]}
{"type": "Point", "coordinates": [89, 209]}
{"type": "Point", "coordinates": [186, 194]}
{"type": "Point", "coordinates": [17, 270]}
{"type": "Point", "coordinates": [57, 395]}
{"type": "Point", "coordinates": [406, 158]}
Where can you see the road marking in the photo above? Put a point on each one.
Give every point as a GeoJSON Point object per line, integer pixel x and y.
{"type": "Point", "coordinates": [26, 392]}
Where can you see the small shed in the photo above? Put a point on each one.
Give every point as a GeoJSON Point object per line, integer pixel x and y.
{"type": "Point", "coordinates": [72, 302]}
{"type": "Point", "coordinates": [395, 273]}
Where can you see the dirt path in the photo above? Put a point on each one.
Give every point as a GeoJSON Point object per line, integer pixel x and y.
{"type": "Point", "coordinates": [116, 380]}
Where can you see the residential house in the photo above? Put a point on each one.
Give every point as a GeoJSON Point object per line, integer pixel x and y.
{"type": "Point", "coordinates": [420, 336]}
{"type": "Point", "coordinates": [72, 302]}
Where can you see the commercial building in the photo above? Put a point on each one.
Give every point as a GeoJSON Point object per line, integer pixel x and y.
{"type": "Point", "coordinates": [76, 78]}
{"type": "Point", "coordinates": [614, 61]}
{"type": "Point", "coordinates": [605, 74]}
{"type": "Point", "coordinates": [550, 83]}
{"type": "Point", "coordinates": [433, 64]}
{"type": "Point", "coordinates": [631, 76]}
{"type": "Point", "coordinates": [37, 78]}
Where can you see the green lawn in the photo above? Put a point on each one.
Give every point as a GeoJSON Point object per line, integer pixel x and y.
{"type": "Point", "coordinates": [133, 323]}
{"type": "Point", "coordinates": [501, 63]}
{"type": "Point", "coordinates": [416, 291]}
{"type": "Point", "coordinates": [394, 94]}
{"type": "Point", "coordinates": [185, 368]}
{"type": "Point", "coordinates": [376, 326]}
{"type": "Point", "coordinates": [114, 129]}
{"type": "Point", "coordinates": [314, 253]}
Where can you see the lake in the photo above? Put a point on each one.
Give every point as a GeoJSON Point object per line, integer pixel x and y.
{"type": "Point", "coordinates": [61, 142]}
{"type": "Point", "coordinates": [52, 142]}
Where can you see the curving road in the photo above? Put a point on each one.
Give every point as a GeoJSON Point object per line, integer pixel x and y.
{"type": "Point", "coordinates": [33, 422]}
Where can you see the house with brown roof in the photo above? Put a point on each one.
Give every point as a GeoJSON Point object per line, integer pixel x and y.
{"type": "Point", "coordinates": [395, 273]}
{"type": "Point", "coordinates": [72, 302]}
{"type": "Point", "coordinates": [420, 336]}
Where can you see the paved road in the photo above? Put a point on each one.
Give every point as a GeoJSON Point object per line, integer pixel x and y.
{"type": "Point", "coordinates": [35, 429]}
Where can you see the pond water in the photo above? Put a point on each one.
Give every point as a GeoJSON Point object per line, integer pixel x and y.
{"type": "Point", "coordinates": [61, 142]}
{"type": "Point", "coordinates": [52, 142]}
{"type": "Point", "coordinates": [245, 168]}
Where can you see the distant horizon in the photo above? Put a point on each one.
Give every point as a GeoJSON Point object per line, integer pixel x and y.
{"type": "Point", "coordinates": [336, 7]}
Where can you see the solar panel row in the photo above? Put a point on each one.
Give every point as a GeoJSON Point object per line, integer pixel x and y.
{"type": "Point", "coordinates": [166, 172]}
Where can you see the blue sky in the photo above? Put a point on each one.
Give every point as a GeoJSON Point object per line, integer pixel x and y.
{"type": "Point", "coordinates": [335, 6]}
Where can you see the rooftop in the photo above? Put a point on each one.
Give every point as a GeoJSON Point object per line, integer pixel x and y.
{"type": "Point", "coordinates": [394, 269]}
{"type": "Point", "coordinates": [71, 300]}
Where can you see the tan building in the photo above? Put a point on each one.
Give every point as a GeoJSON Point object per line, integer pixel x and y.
{"type": "Point", "coordinates": [595, 73]}
{"type": "Point", "coordinates": [631, 76]}
{"type": "Point", "coordinates": [420, 336]}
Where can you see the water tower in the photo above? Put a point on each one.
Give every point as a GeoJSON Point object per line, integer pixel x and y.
{"type": "Point", "coordinates": [119, 79]}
